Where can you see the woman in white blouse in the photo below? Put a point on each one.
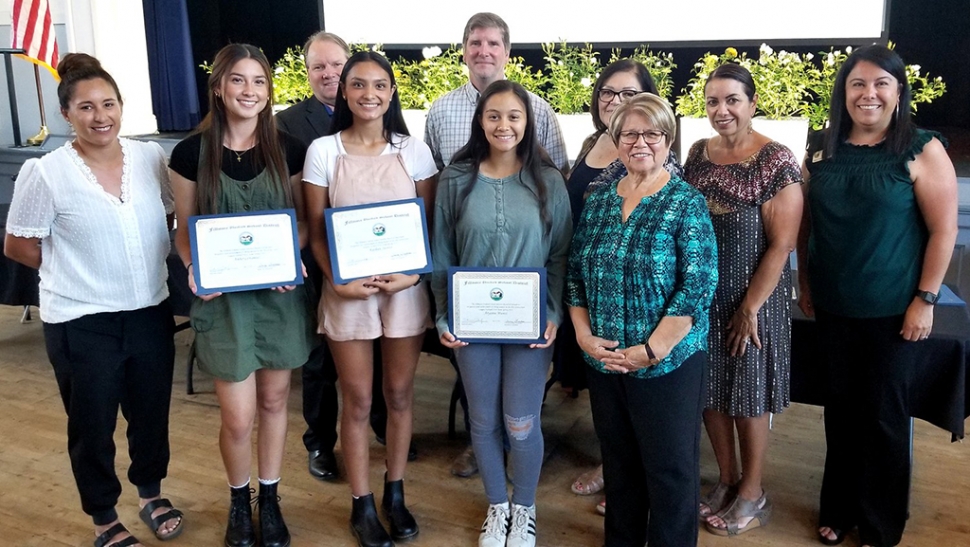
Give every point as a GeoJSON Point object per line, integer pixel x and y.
{"type": "Point", "coordinates": [91, 216]}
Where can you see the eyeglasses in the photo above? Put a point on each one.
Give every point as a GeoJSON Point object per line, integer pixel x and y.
{"type": "Point", "coordinates": [650, 137]}
{"type": "Point", "coordinates": [607, 95]}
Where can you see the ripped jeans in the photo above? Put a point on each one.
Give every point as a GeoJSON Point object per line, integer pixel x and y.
{"type": "Point", "coordinates": [505, 385]}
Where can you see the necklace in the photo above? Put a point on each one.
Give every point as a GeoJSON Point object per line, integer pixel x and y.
{"type": "Point", "coordinates": [239, 155]}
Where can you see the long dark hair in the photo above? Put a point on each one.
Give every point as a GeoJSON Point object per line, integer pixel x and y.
{"type": "Point", "coordinates": [644, 78]}
{"type": "Point", "coordinates": [533, 157]}
{"type": "Point", "coordinates": [901, 128]}
{"type": "Point", "coordinates": [268, 150]}
{"type": "Point", "coordinates": [344, 118]}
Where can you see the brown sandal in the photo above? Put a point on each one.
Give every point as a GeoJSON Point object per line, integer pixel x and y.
{"type": "Point", "coordinates": [759, 511]}
{"type": "Point", "coordinates": [716, 500]}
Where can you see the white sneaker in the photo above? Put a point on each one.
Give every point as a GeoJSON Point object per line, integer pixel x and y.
{"type": "Point", "coordinates": [523, 530]}
{"type": "Point", "coordinates": [495, 529]}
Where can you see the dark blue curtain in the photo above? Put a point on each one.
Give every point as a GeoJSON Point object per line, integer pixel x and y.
{"type": "Point", "coordinates": [170, 65]}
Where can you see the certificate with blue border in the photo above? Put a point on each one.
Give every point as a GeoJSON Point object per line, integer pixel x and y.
{"type": "Point", "coordinates": [245, 251]}
{"type": "Point", "coordinates": [497, 305]}
{"type": "Point", "coordinates": [377, 239]}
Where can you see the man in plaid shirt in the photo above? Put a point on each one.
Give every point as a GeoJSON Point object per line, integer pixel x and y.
{"type": "Point", "coordinates": [486, 49]}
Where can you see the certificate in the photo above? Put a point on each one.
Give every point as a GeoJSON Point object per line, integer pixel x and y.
{"type": "Point", "coordinates": [497, 305]}
{"type": "Point", "coordinates": [245, 251]}
{"type": "Point", "coordinates": [376, 239]}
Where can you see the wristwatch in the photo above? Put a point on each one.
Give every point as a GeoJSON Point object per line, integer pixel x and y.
{"type": "Point", "coordinates": [927, 296]}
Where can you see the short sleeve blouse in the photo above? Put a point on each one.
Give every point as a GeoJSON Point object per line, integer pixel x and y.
{"type": "Point", "coordinates": [321, 158]}
{"type": "Point", "coordinates": [100, 253]}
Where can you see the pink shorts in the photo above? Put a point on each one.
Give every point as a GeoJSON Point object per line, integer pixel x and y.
{"type": "Point", "coordinates": [400, 315]}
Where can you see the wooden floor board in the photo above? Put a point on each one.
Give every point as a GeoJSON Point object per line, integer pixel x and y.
{"type": "Point", "coordinates": [39, 504]}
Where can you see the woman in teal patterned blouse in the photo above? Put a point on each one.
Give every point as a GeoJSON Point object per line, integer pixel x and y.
{"type": "Point", "coordinates": [642, 271]}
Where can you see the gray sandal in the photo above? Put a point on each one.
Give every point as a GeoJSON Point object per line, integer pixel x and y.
{"type": "Point", "coordinates": [759, 511]}
{"type": "Point", "coordinates": [716, 500]}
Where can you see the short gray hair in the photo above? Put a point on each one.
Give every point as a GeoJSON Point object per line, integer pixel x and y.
{"type": "Point", "coordinates": [656, 110]}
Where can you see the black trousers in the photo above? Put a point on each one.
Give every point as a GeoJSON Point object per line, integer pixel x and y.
{"type": "Point", "coordinates": [649, 432]}
{"type": "Point", "coordinates": [103, 361]}
{"type": "Point", "coordinates": [867, 425]}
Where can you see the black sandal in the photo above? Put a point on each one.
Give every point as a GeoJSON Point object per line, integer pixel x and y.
{"type": "Point", "coordinates": [118, 528]}
{"type": "Point", "coordinates": [156, 523]}
{"type": "Point", "coordinates": [839, 536]}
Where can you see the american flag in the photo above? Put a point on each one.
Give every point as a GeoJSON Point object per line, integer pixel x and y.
{"type": "Point", "coordinates": [33, 31]}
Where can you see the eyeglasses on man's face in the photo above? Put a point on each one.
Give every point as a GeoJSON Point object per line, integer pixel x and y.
{"type": "Point", "coordinates": [607, 95]}
{"type": "Point", "coordinates": [651, 136]}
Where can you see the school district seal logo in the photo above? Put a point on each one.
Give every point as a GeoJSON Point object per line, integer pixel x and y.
{"type": "Point", "coordinates": [496, 294]}
{"type": "Point", "coordinates": [246, 238]}
{"type": "Point", "coordinates": [379, 229]}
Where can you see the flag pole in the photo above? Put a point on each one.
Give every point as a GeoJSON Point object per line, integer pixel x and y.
{"type": "Point", "coordinates": [41, 135]}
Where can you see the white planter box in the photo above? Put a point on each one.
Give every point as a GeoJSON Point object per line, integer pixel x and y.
{"type": "Point", "coordinates": [793, 133]}
{"type": "Point", "coordinates": [575, 128]}
{"type": "Point", "coordinates": [415, 120]}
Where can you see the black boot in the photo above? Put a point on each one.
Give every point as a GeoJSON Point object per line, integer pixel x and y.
{"type": "Point", "coordinates": [272, 529]}
{"type": "Point", "coordinates": [402, 522]}
{"type": "Point", "coordinates": [239, 531]}
{"type": "Point", "coordinates": [365, 525]}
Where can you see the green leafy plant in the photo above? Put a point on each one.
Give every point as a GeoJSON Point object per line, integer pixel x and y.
{"type": "Point", "coordinates": [419, 83]}
{"type": "Point", "coordinates": [661, 65]}
{"type": "Point", "coordinates": [517, 71]}
{"type": "Point", "coordinates": [570, 72]}
{"type": "Point", "coordinates": [823, 80]}
{"type": "Point", "coordinates": [290, 83]}
{"type": "Point", "coordinates": [782, 82]}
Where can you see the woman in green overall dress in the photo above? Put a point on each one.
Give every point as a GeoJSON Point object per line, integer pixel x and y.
{"type": "Point", "coordinates": [369, 158]}
{"type": "Point", "coordinates": [238, 162]}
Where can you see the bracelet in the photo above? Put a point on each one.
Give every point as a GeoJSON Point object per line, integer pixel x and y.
{"type": "Point", "coordinates": [189, 265]}
{"type": "Point", "coordinates": [650, 354]}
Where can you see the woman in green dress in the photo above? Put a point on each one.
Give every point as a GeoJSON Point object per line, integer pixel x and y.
{"type": "Point", "coordinates": [237, 162]}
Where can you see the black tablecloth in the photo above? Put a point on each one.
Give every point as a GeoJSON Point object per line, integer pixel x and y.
{"type": "Point", "coordinates": [18, 283]}
{"type": "Point", "coordinates": [942, 393]}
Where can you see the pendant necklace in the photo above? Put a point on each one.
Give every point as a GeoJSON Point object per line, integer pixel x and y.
{"type": "Point", "coordinates": [239, 155]}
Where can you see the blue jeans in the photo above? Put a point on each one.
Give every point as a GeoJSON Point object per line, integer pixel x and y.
{"type": "Point", "coordinates": [505, 385]}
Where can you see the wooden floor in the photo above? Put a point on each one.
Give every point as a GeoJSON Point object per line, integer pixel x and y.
{"type": "Point", "coordinates": [39, 504]}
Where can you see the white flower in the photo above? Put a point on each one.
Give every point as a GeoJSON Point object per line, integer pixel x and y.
{"type": "Point", "coordinates": [430, 52]}
{"type": "Point", "coordinates": [848, 49]}
{"type": "Point", "coordinates": [279, 70]}
{"type": "Point", "coordinates": [560, 63]}
{"type": "Point", "coordinates": [765, 49]}
{"type": "Point", "coordinates": [585, 82]}
{"type": "Point", "coordinates": [809, 56]}
{"type": "Point", "coordinates": [916, 68]}
{"type": "Point", "coordinates": [830, 59]}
